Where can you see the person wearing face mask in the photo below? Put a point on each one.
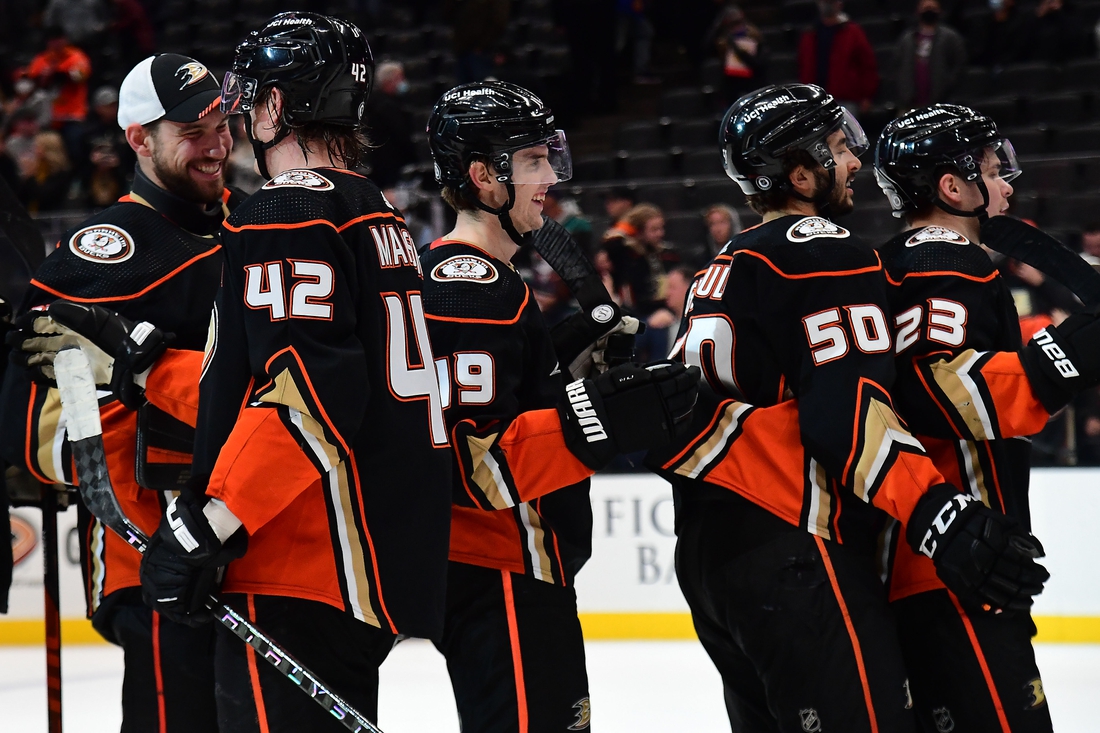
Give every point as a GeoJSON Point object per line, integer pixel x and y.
{"type": "Point", "coordinates": [153, 257]}
{"type": "Point", "coordinates": [389, 124]}
{"type": "Point", "coordinates": [835, 54]}
{"type": "Point", "coordinates": [528, 425]}
{"type": "Point", "coordinates": [973, 392]}
{"type": "Point", "coordinates": [929, 61]}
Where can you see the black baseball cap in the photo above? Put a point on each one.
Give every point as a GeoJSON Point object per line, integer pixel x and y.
{"type": "Point", "coordinates": [168, 86]}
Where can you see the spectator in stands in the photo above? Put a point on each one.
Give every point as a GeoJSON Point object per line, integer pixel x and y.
{"type": "Point", "coordinates": [618, 201]}
{"type": "Point", "coordinates": [101, 131]}
{"type": "Point", "coordinates": [640, 259]}
{"type": "Point", "coordinates": [565, 211]}
{"type": "Point", "coordinates": [1055, 35]}
{"type": "Point", "coordinates": [28, 98]}
{"type": "Point", "coordinates": [550, 291]}
{"type": "Point", "coordinates": [835, 54]}
{"type": "Point", "coordinates": [45, 187]}
{"type": "Point", "coordinates": [740, 46]}
{"type": "Point", "coordinates": [633, 24]}
{"type": "Point", "coordinates": [389, 125]}
{"type": "Point", "coordinates": [722, 223]}
{"type": "Point", "coordinates": [1000, 37]}
{"type": "Point", "coordinates": [478, 26]}
{"type": "Point", "coordinates": [1090, 243]}
{"type": "Point", "coordinates": [82, 20]}
{"type": "Point", "coordinates": [64, 69]}
{"type": "Point", "coordinates": [662, 326]}
{"type": "Point", "coordinates": [24, 127]}
{"type": "Point", "coordinates": [929, 61]}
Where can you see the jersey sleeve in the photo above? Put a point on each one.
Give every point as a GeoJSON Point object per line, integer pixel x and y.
{"type": "Point", "coordinates": [173, 384]}
{"type": "Point", "coordinates": [504, 454]}
{"type": "Point", "coordinates": [307, 387]}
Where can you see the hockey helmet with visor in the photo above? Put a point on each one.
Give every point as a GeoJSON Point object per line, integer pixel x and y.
{"type": "Point", "coordinates": [918, 148]}
{"type": "Point", "coordinates": [762, 127]}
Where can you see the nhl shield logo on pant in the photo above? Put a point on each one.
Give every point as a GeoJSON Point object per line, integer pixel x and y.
{"type": "Point", "coordinates": [811, 723]}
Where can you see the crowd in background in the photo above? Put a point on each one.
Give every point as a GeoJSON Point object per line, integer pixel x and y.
{"type": "Point", "coordinates": [61, 149]}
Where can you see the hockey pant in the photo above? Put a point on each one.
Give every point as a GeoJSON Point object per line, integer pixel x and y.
{"type": "Point", "coordinates": [168, 682]}
{"type": "Point", "coordinates": [970, 671]}
{"type": "Point", "coordinates": [798, 627]}
{"type": "Point", "coordinates": [345, 653]}
{"type": "Point", "coordinates": [514, 652]}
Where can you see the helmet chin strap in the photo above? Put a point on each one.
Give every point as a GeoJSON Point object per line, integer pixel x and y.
{"type": "Point", "coordinates": [981, 213]}
{"type": "Point", "coordinates": [259, 149]}
{"type": "Point", "coordinates": [504, 215]}
{"type": "Point", "coordinates": [821, 199]}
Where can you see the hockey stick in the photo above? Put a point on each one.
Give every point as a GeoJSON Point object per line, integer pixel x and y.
{"type": "Point", "coordinates": [76, 384]}
{"type": "Point", "coordinates": [1021, 241]}
{"type": "Point", "coordinates": [51, 582]}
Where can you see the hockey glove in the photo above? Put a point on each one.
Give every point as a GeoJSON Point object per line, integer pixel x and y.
{"type": "Point", "coordinates": [615, 347]}
{"type": "Point", "coordinates": [35, 340]}
{"type": "Point", "coordinates": [133, 346]}
{"type": "Point", "coordinates": [628, 408]}
{"type": "Point", "coordinates": [184, 562]}
{"type": "Point", "coordinates": [1063, 360]}
{"type": "Point", "coordinates": [985, 558]}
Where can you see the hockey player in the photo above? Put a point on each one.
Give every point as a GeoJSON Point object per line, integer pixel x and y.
{"type": "Point", "coordinates": [154, 257]}
{"type": "Point", "coordinates": [512, 640]}
{"type": "Point", "coordinates": [969, 390]}
{"type": "Point", "coordinates": [779, 505]}
{"type": "Point", "coordinates": [320, 436]}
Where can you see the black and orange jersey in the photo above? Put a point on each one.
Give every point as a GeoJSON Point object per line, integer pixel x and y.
{"type": "Point", "coordinates": [797, 309]}
{"type": "Point", "coordinates": [320, 418]}
{"type": "Point", "coordinates": [960, 384]}
{"type": "Point", "coordinates": [153, 257]}
{"type": "Point", "coordinates": [501, 381]}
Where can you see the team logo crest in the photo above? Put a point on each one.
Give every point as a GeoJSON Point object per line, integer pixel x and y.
{"type": "Point", "coordinates": [936, 234]}
{"type": "Point", "coordinates": [584, 714]}
{"type": "Point", "coordinates": [943, 720]}
{"type": "Point", "coordinates": [300, 179]}
{"type": "Point", "coordinates": [467, 268]}
{"type": "Point", "coordinates": [813, 227]}
{"type": "Point", "coordinates": [1034, 690]}
{"type": "Point", "coordinates": [811, 721]}
{"type": "Point", "coordinates": [102, 243]}
{"type": "Point", "coordinates": [23, 538]}
{"type": "Point", "coordinates": [190, 73]}
{"type": "Point", "coordinates": [602, 313]}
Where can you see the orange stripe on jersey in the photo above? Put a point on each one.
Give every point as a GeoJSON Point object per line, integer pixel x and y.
{"type": "Point", "coordinates": [173, 384]}
{"type": "Point", "coordinates": [519, 312]}
{"type": "Point", "coordinates": [162, 719]}
{"type": "Point", "coordinates": [537, 456]}
{"type": "Point", "coordinates": [851, 634]}
{"type": "Point", "coordinates": [254, 673]}
{"type": "Point", "coordinates": [803, 276]}
{"type": "Point", "coordinates": [1019, 411]}
{"type": "Point", "coordinates": [138, 294]}
{"type": "Point", "coordinates": [367, 217]}
{"type": "Point", "coordinates": [314, 223]}
{"type": "Point", "coordinates": [313, 392]}
{"type": "Point", "coordinates": [943, 273]}
{"type": "Point", "coordinates": [517, 656]}
{"type": "Point", "coordinates": [27, 459]}
{"type": "Point", "coordinates": [995, 697]}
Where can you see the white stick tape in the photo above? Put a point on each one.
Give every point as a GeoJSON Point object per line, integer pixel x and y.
{"type": "Point", "coordinates": [76, 384]}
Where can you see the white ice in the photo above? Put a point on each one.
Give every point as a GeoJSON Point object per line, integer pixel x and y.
{"type": "Point", "coordinates": [635, 686]}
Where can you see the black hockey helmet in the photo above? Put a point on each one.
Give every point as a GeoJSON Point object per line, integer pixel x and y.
{"type": "Point", "coordinates": [322, 65]}
{"type": "Point", "coordinates": [761, 127]}
{"type": "Point", "coordinates": [915, 149]}
{"type": "Point", "coordinates": [494, 120]}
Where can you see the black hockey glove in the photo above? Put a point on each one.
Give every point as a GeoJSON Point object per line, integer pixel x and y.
{"type": "Point", "coordinates": [628, 408]}
{"type": "Point", "coordinates": [1063, 360]}
{"type": "Point", "coordinates": [584, 356]}
{"type": "Point", "coordinates": [133, 346]}
{"type": "Point", "coordinates": [985, 558]}
{"type": "Point", "coordinates": [184, 562]}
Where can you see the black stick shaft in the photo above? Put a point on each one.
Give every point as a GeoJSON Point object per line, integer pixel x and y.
{"type": "Point", "coordinates": [51, 581]}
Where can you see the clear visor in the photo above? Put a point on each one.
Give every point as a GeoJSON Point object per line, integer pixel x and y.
{"type": "Point", "coordinates": [238, 94]}
{"type": "Point", "coordinates": [1000, 161]}
{"type": "Point", "coordinates": [544, 164]}
{"type": "Point", "coordinates": [854, 138]}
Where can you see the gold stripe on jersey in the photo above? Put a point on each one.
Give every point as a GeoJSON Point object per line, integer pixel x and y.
{"type": "Point", "coordinates": [882, 432]}
{"type": "Point", "coordinates": [536, 543]}
{"type": "Point", "coordinates": [821, 501]}
{"type": "Point", "coordinates": [51, 437]}
{"type": "Point", "coordinates": [953, 377]}
{"type": "Point", "coordinates": [705, 453]}
{"type": "Point", "coordinates": [487, 474]}
{"type": "Point", "coordinates": [349, 562]}
{"type": "Point", "coordinates": [972, 470]}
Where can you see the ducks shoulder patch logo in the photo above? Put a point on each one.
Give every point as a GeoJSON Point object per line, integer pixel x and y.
{"type": "Point", "coordinates": [813, 227]}
{"type": "Point", "coordinates": [467, 268]}
{"type": "Point", "coordinates": [300, 179]}
{"type": "Point", "coordinates": [936, 234]}
{"type": "Point", "coordinates": [104, 243]}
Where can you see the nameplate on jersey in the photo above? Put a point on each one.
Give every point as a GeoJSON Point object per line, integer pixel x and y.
{"type": "Point", "coordinates": [815, 227]}
{"type": "Point", "coordinates": [465, 268]}
{"type": "Point", "coordinates": [936, 234]}
{"type": "Point", "coordinates": [104, 243]}
{"type": "Point", "coordinates": [300, 179]}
